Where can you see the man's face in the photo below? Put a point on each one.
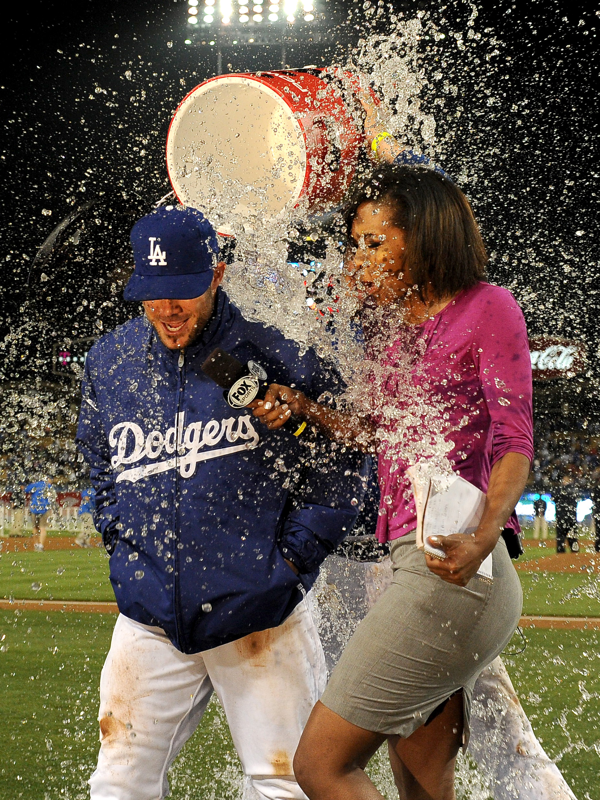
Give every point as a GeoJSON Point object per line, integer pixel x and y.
{"type": "Point", "coordinates": [178, 323]}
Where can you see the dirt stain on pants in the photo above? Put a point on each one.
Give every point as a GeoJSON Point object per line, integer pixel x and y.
{"type": "Point", "coordinates": [282, 763]}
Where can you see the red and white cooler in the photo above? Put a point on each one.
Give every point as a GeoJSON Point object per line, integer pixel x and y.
{"type": "Point", "coordinates": [250, 148]}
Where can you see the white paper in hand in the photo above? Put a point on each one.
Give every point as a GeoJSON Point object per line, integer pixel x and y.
{"type": "Point", "coordinates": [455, 509]}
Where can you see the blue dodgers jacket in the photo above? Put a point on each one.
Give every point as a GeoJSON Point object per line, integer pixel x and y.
{"type": "Point", "coordinates": [196, 501]}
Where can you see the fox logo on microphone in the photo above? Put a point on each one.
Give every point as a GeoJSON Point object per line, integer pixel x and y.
{"type": "Point", "coordinates": [243, 391]}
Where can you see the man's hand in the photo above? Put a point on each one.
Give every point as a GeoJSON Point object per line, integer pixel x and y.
{"type": "Point", "coordinates": [464, 555]}
{"type": "Point", "coordinates": [279, 403]}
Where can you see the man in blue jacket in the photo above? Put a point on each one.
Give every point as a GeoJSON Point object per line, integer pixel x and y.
{"type": "Point", "coordinates": [215, 527]}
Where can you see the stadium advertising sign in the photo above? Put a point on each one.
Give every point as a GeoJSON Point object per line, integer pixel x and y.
{"type": "Point", "coordinates": [552, 357]}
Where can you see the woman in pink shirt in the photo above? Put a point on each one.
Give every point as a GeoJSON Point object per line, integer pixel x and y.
{"type": "Point", "coordinates": [448, 382]}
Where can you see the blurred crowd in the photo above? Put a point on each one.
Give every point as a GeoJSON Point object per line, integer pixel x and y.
{"type": "Point", "coordinates": [571, 457]}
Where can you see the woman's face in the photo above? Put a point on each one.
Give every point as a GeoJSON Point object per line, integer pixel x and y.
{"type": "Point", "coordinates": [374, 262]}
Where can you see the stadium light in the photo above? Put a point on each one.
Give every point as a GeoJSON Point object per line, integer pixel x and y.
{"type": "Point", "coordinates": [249, 13]}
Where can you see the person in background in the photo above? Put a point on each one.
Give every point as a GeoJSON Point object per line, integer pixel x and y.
{"type": "Point", "coordinates": [565, 498]}
{"type": "Point", "coordinates": [540, 526]}
{"type": "Point", "coordinates": [595, 498]}
{"type": "Point", "coordinates": [86, 520]}
{"type": "Point", "coordinates": [40, 495]}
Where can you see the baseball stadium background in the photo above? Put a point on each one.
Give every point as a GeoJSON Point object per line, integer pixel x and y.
{"type": "Point", "coordinates": [88, 96]}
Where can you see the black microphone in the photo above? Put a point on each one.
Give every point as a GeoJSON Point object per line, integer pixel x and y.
{"type": "Point", "coordinates": [242, 382]}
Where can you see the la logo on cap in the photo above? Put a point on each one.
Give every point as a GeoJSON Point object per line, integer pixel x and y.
{"type": "Point", "coordinates": [157, 256]}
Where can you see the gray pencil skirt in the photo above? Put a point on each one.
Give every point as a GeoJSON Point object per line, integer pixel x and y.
{"type": "Point", "coordinates": [424, 640]}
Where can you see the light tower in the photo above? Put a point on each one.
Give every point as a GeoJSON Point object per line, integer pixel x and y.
{"type": "Point", "coordinates": [218, 23]}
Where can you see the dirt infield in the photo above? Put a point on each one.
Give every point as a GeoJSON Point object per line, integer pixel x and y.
{"type": "Point", "coordinates": [561, 562]}
{"type": "Point", "coordinates": [587, 560]}
{"type": "Point", "coordinates": [561, 623]}
{"type": "Point", "coordinates": [72, 606]}
{"type": "Point", "coordinates": [20, 544]}
{"type": "Point", "coordinates": [88, 607]}
{"type": "Point", "coordinates": [548, 561]}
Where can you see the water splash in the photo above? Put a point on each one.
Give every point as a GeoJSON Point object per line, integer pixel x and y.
{"type": "Point", "coordinates": [453, 90]}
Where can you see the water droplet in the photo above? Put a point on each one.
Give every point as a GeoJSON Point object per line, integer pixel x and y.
{"type": "Point", "coordinates": [36, 587]}
{"type": "Point", "coordinates": [139, 574]}
{"type": "Point", "coordinates": [206, 607]}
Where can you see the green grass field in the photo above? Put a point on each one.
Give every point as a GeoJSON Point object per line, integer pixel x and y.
{"type": "Point", "coordinates": [50, 667]}
{"type": "Point", "coordinates": [77, 574]}
{"type": "Point", "coordinates": [557, 594]}
{"type": "Point", "coordinates": [50, 664]}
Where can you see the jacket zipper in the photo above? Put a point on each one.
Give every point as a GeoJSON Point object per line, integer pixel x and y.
{"type": "Point", "coordinates": [176, 520]}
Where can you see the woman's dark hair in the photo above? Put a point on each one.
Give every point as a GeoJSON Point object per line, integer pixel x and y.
{"type": "Point", "coordinates": [443, 245]}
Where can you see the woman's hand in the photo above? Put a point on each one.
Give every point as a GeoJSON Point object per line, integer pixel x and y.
{"type": "Point", "coordinates": [465, 553]}
{"type": "Point", "coordinates": [279, 403]}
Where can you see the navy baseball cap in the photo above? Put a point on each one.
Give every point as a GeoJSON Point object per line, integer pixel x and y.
{"type": "Point", "coordinates": [175, 250]}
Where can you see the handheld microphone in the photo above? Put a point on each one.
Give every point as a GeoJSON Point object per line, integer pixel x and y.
{"type": "Point", "coordinates": [242, 382]}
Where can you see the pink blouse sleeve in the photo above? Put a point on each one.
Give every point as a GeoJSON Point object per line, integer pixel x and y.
{"type": "Point", "coordinates": [501, 352]}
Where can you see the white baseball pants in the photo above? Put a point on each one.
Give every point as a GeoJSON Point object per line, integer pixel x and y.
{"type": "Point", "coordinates": [152, 698]}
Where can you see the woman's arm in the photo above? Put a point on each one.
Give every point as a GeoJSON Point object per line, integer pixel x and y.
{"type": "Point", "coordinates": [501, 356]}
{"type": "Point", "coordinates": [465, 552]}
{"type": "Point", "coordinates": [281, 402]}
{"type": "Point", "coordinates": [381, 144]}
